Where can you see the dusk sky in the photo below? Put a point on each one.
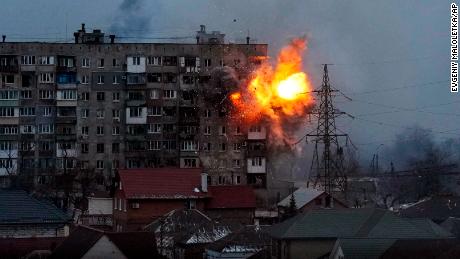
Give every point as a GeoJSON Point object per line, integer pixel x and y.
{"type": "Point", "coordinates": [390, 57]}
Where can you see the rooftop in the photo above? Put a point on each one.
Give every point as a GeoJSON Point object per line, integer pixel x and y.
{"type": "Point", "coordinates": [438, 208]}
{"type": "Point", "coordinates": [231, 196]}
{"type": "Point", "coordinates": [161, 183]}
{"type": "Point", "coordinates": [18, 207]}
{"type": "Point", "coordinates": [302, 197]}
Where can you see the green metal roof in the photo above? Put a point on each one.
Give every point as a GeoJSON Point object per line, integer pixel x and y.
{"type": "Point", "coordinates": [17, 207]}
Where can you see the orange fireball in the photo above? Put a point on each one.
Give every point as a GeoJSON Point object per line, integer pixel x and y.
{"type": "Point", "coordinates": [276, 93]}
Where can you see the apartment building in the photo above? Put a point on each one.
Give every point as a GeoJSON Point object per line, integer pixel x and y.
{"type": "Point", "coordinates": [101, 105]}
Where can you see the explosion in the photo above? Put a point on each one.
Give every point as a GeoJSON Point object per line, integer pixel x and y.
{"type": "Point", "coordinates": [280, 94]}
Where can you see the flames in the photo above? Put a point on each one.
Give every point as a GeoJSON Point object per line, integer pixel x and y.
{"type": "Point", "coordinates": [280, 94]}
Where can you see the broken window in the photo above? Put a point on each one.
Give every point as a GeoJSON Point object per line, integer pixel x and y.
{"type": "Point", "coordinates": [154, 78]}
{"type": "Point", "coordinates": [169, 78]}
{"type": "Point", "coordinates": [188, 80]}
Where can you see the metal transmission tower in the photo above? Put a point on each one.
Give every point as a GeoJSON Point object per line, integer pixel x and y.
{"type": "Point", "coordinates": [327, 169]}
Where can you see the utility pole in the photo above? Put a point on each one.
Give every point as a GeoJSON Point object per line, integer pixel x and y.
{"type": "Point", "coordinates": [327, 169]}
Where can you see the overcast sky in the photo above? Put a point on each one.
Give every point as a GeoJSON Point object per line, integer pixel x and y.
{"type": "Point", "coordinates": [391, 57]}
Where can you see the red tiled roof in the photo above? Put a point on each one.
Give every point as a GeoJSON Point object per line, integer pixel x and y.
{"type": "Point", "coordinates": [231, 196]}
{"type": "Point", "coordinates": [161, 183]}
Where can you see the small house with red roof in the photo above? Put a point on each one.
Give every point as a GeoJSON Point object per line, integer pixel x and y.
{"type": "Point", "coordinates": [143, 195]}
{"type": "Point", "coordinates": [235, 203]}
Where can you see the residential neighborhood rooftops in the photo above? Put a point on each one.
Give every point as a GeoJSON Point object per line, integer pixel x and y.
{"type": "Point", "coordinates": [18, 207]}
{"type": "Point", "coordinates": [428, 248]}
{"type": "Point", "coordinates": [302, 196]}
{"type": "Point", "coordinates": [358, 223]}
{"type": "Point", "coordinates": [234, 196]}
{"type": "Point", "coordinates": [438, 208]}
{"type": "Point", "coordinates": [131, 244]}
{"type": "Point", "coordinates": [162, 183]}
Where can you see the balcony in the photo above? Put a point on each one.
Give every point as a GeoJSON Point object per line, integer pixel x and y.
{"type": "Point", "coordinates": [9, 68]}
{"type": "Point", "coordinates": [66, 120]}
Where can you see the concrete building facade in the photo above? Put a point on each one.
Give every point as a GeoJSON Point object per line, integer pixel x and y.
{"type": "Point", "coordinates": [99, 106]}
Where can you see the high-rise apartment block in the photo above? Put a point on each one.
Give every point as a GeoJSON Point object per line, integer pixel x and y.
{"type": "Point", "coordinates": [101, 105]}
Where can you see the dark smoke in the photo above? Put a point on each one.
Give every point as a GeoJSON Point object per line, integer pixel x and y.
{"type": "Point", "coordinates": [132, 19]}
{"type": "Point", "coordinates": [223, 82]}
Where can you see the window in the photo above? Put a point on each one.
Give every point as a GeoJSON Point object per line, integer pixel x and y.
{"type": "Point", "coordinates": [8, 95]}
{"type": "Point", "coordinates": [169, 94]}
{"type": "Point", "coordinates": [6, 163]}
{"type": "Point", "coordinates": [154, 128]}
{"type": "Point", "coordinates": [223, 130]}
{"type": "Point", "coordinates": [154, 78]}
{"type": "Point", "coordinates": [115, 164]}
{"type": "Point", "coordinates": [169, 61]}
{"type": "Point", "coordinates": [136, 61]}
{"type": "Point", "coordinates": [100, 147]}
{"type": "Point", "coordinates": [8, 130]}
{"type": "Point", "coordinates": [100, 96]}
{"type": "Point", "coordinates": [46, 78]}
{"type": "Point", "coordinates": [100, 114]}
{"type": "Point", "coordinates": [135, 79]}
{"type": "Point", "coordinates": [135, 111]}
{"type": "Point", "coordinates": [46, 128]}
{"type": "Point", "coordinates": [115, 80]}
{"type": "Point", "coordinates": [154, 111]}
{"type": "Point", "coordinates": [169, 78]}
{"type": "Point", "coordinates": [257, 161]}
{"type": "Point", "coordinates": [68, 95]}
{"type": "Point", "coordinates": [207, 130]}
{"type": "Point", "coordinates": [8, 79]}
{"type": "Point", "coordinates": [84, 113]}
{"type": "Point", "coordinates": [85, 130]}
{"type": "Point", "coordinates": [84, 79]}
{"type": "Point", "coordinates": [115, 130]}
{"type": "Point", "coordinates": [27, 129]}
{"type": "Point", "coordinates": [116, 96]}
{"type": "Point", "coordinates": [188, 80]}
{"type": "Point", "coordinates": [45, 145]}
{"type": "Point", "coordinates": [27, 111]}
{"type": "Point", "coordinates": [100, 130]}
{"type": "Point", "coordinates": [115, 147]}
{"type": "Point", "coordinates": [7, 145]}
{"type": "Point", "coordinates": [207, 62]}
{"type": "Point", "coordinates": [84, 147]}
{"type": "Point", "coordinates": [154, 61]}
{"type": "Point", "coordinates": [47, 111]}
{"type": "Point", "coordinates": [188, 145]}
{"type": "Point", "coordinates": [255, 129]}
{"type": "Point", "coordinates": [237, 147]}
{"type": "Point", "coordinates": [190, 162]}
{"type": "Point", "coordinates": [238, 130]}
{"type": "Point", "coordinates": [85, 96]}
{"type": "Point", "coordinates": [238, 179]}
{"type": "Point", "coordinates": [155, 94]}
{"type": "Point", "coordinates": [222, 146]}
{"type": "Point", "coordinates": [100, 164]}
{"type": "Point", "coordinates": [26, 94]}
{"type": "Point", "coordinates": [116, 114]}
{"type": "Point", "coordinates": [46, 94]}
{"type": "Point", "coordinates": [154, 145]}
{"type": "Point", "coordinates": [115, 62]}
{"type": "Point", "coordinates": [46, 60]}
{"type": "Point", "coordinates": [100, 63]}
{"type": "Point", "coordinates": [207, 113]}
{"type": "Point", "coordinates": [236, 163]}
{"type": "Point", "coordinates": [6, 112]}
{"type": "Point", "coordinates": [85, 62]}
{"type": "Point", "coordinates": [100, 79]}
{"type": "Point", "coordinates": [28, 60]}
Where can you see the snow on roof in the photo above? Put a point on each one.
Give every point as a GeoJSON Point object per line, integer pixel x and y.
{"type": "Point", "coordinates": [302, 196]}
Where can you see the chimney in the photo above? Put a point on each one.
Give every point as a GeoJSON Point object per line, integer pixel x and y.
{"type": "Point", "coordinates": [3, 38]}
{"type": "Point", "coordinates": [112, 38]}
{"type": "Point", "coordinates": [197, 40]}
{"type": "Point", "coordinates": [204, 182]}
{"type": "Point", "coordinates": [75, 34]}
{"type": "Point", "coordinates": [83, 27]}
{"type": "Point", "coordinates": [202, 28]}
{"type": "Point", "coordinates": [247, 40]}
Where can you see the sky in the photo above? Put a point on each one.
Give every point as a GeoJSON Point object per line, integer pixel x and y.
{"type": "Point", "coordinates": [390, 57]}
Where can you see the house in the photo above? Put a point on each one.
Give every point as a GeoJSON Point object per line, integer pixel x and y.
{"type": "Point", "coordinates": [437, 208]}
{"type": "Point", "coordinates": [231, 203]}
{"type": "Point", "coordinates": [28, 224]}
{"type": "Point", "coordinates": [184, 233]}
{"type": "Point", "coordinates": [144, 195]}
{"type": "Point", "coordinates": [86, 242]}
{"type": "Point", "coordinates": [247, 242]}
{"type": "Point", "coordinates": [424, 249]}
{"type": "Point", "coordinates": [99, 211]}
{"type": "Point", "coordinates": [307, 199]}
{"type": "Point", "coordinates": [349, 233]}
